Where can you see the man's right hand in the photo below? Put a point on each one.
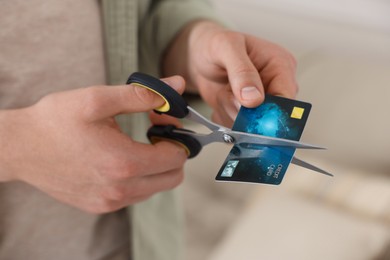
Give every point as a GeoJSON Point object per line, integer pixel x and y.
{"type": "Point", "coordinates": [69, 146]}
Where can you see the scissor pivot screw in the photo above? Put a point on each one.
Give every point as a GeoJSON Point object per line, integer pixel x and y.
{"type": "Point", "coordinates": [228, 139]}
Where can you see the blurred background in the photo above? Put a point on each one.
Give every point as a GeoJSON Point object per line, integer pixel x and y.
{"type": "Point", "coordinates": [343, 53]}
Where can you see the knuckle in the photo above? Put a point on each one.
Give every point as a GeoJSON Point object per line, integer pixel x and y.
{"type": "Point", "coordinates": [286, 56]}
{"type": "Point", "coordinates": [244, 70]}
{"type": "Point", "coordinates": [91, 102]}
{"type": "Point", "coordinates": [224, 39]}
{"type": "Point", "coordinates": [120, 168]}
{"type": "Point", "coordinates": [47, 98]}
{"type": "Point", "coordinates": [228, 36]}
{"type": "Point", "coordinates": [115, 193]}
{"type": "Point", "coordinates": [126, 170]}
{"type": "Point", "coordinates": [289, 58]}
{"type": "Point", "coordinates": [48, 102]}
{"type": "Point", "coordinates": [102, 206]}
{"type": "Point", "coordinates": [117, 175]}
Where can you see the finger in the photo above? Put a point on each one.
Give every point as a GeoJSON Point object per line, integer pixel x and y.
{"type": "Point", "coordinates": [216, 117]}
{"type": "Point", "coordinates": [108, 198]}
{"type": "Point", "coordinates": [108, 101]}
{"type": "Point", "coordinates": [160, 182]}
{"type": "Point", "coordinates": [278, 68]}
{"type": "Point", "coordinates": [282, 82]}
{"type": "Point", "coordinates": [220, 117]}
{"type": "Point", "coordinates": [144, 186]}
{"type": "Point", "coordinates": [166, 120]}
{"type": "Point", "coordinates": [137, 190]}
{"type": "Point", "coordinates": [226, 108]}
{"type": "Point", "coordinates": [227, 105]}
{"type": "Point", "coordinates": [153, 159]}
{"type": "Point", "coordinates": [157, 119]}
{"type": "Point", "coordinates": [243, 75]}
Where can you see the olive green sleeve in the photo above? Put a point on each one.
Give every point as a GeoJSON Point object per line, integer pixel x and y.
{"type": "Point", "coordinates": [162, 22]}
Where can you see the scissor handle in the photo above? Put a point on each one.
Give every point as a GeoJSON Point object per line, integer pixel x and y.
{"type": "Point", "coordinates": [166, 133]}
{"type": "Point", "coordinates": [174, 105]}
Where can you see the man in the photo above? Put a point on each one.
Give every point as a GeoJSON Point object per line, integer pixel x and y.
{"type": "Point", "coordinates": [70, 178]}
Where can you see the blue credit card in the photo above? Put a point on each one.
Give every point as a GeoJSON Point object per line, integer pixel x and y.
{"type": "Point", "coordinates": [276, 117]}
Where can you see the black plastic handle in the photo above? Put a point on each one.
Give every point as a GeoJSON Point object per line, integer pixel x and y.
{"type": "Point", "coordinates": [166, 132]}
{"type": "Point", "coordinates": [174, 105]}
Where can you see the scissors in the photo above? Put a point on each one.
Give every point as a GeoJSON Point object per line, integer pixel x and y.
{"type": "Point", "coordinates": [193, 142]}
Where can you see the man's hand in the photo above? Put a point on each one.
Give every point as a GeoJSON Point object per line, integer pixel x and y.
{"type": "Point", "coordinates": [229, 68]}
{"type": "Point", "coordinates": [69, 146]}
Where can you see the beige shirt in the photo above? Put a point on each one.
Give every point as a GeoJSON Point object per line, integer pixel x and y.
{"type": "Point", "coordinates": [48, 46]}
{"type": "Point", "coordinates": [53, 45]}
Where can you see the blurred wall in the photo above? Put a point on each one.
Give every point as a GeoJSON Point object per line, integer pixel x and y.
{"type": "Point", "coordinates": [343, 53]}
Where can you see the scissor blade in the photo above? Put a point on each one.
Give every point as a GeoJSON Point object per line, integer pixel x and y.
{"type": "Point", "coordinates": [247, 138]}
{"type": "Point", "coordinates": [197, 117]}
{"type": "Point", "coordinates": [309, 166]}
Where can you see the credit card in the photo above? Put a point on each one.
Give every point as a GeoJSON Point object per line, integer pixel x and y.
{"type": "Point", "coordinates": [276, 117]}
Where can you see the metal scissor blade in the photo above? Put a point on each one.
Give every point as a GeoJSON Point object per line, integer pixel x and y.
{"type": "Point", "coordinates": [197, 117]}
{"type": "Point", "coordinates": [309, 166]}
{"type": "Point", "coordinates": [247, 138]}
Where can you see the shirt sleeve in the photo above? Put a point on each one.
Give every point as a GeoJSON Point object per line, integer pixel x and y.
{"type": "Point", "coordinates": [162, 22]}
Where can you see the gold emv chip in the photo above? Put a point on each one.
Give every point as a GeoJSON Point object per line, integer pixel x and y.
{"type": "Point", "coordinates": [297, 112]}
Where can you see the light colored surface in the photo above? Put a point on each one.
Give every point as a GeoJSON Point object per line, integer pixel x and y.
{"type": "Point", "coordinates": [346, 27]}
{"type": "Point", "coordinates": [286, 236]}
{"type": "Point", "coordinates": [343, 54]}
{"type": "Point", "coordinates": [312, 217]}
{"type": "Point", "coordinates": [210, 206]}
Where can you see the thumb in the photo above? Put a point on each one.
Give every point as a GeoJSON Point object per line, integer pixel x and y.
{"type": "Point", "coordinates": [108, 101]}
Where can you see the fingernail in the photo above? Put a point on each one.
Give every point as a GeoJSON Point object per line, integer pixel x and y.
{"type": "Point", "coordinates": [250, 93]}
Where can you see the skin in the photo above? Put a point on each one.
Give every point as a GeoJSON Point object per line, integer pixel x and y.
{"type": "Point", "coordinates": [69, 145]}
{"type": "Point", "coordinates": [229, 68]}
